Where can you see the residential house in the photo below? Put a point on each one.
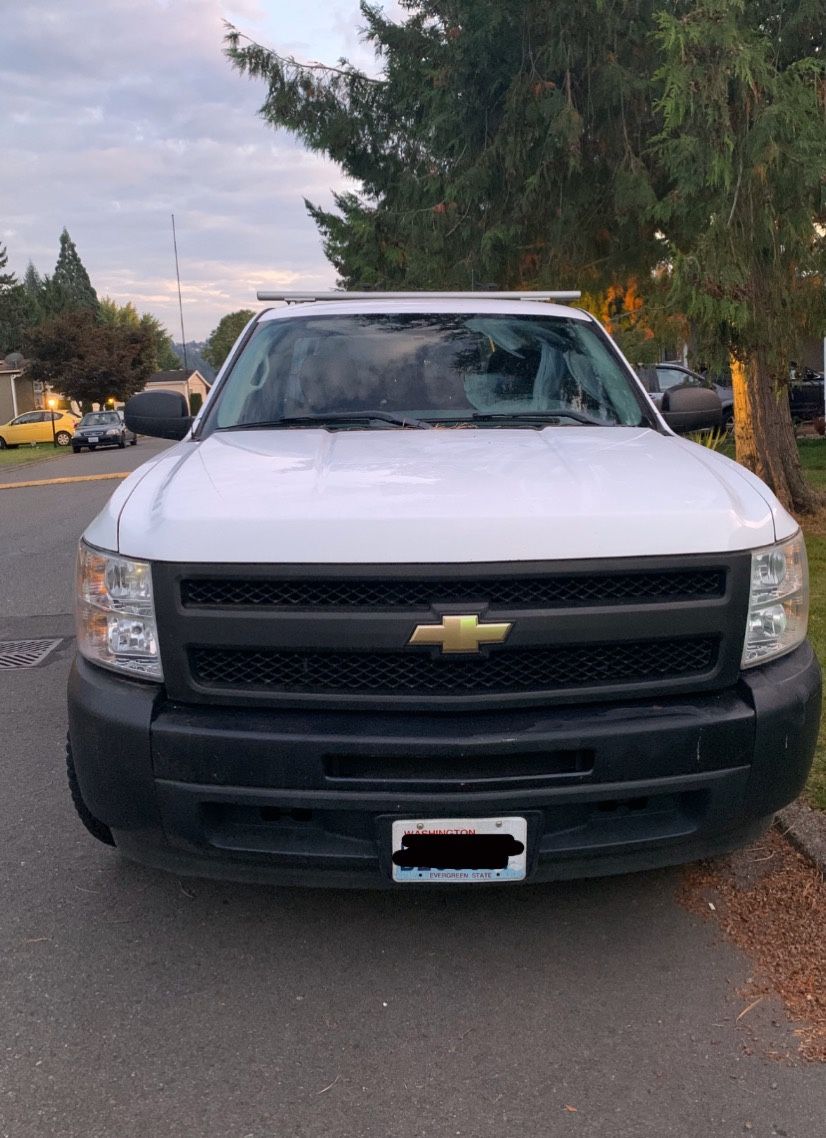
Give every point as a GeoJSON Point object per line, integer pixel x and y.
{"type": "Point", "coordinates": [188, 383]}
{"type": "Point", "coordinates": [17, 393]}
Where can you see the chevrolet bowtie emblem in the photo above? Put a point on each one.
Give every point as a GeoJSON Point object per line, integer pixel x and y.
{"type": "Point", "coordinates": [460, 634]}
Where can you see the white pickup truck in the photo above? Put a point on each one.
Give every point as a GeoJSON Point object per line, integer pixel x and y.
{"type": "Point", "coordinates": [430, 592]}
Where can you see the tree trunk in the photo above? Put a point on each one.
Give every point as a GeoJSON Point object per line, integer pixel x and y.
{"type": "Point", "coordinates": [765, 438]}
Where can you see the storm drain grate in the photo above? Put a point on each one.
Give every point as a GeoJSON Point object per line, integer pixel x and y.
{"type": "Point", "coordinates": [25, 653]}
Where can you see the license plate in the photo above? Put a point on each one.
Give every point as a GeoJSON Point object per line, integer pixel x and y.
{"type": "Point", "coordinates": [460, 850]}
{"type": "Point", "coordinates": [94, 439]}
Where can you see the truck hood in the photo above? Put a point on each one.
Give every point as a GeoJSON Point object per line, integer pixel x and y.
{"type": "Point", "coordinates": [385, 496]}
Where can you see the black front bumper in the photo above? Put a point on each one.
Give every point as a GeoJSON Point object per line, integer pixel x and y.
{"type": "Point", "coordinates": [308, 797]}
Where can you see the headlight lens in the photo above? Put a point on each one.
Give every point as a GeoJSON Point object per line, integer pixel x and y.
{"type": "Point", "coordinates": [116, 613]}
{"type": "Point", "coordinates": [779, 601]}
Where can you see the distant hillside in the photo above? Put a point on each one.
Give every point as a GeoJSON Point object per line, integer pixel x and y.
{"type": "Point", "coordinates": [194, 358]}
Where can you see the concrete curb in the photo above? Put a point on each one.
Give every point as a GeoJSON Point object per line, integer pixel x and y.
{"type": "Point", "coordinates": [806, 830]}
{"type": "Point", "coordinates": [63, 481]}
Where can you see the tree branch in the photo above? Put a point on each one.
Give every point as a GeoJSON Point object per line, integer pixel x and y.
{"type": "Point", "coordinates": [736, 195]}
{"type": "Point", "coordinates": [233, 37]}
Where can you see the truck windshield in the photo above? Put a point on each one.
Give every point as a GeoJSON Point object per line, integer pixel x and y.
{"type": "Point", "coordinates": [442, 369]}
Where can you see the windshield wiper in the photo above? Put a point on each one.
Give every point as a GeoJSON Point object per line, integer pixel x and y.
{"type": "Point", "coordinates": [531, 418]}
{"type": "Point", "coordinates": [332, 418]}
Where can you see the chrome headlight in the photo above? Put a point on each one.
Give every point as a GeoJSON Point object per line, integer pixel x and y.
{"type": "Point", "coordinates": [779, 601]}
{"type": "Point", "coordinates": [115, 613]}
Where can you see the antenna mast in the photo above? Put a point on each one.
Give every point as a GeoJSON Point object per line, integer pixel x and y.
{"type": "Point", "coordinates": [180, 302]}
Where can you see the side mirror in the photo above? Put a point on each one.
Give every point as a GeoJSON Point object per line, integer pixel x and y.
{"type": "Point", "coordinates": [688, 409]}
{"type": "Point", "coordinates": [161, 414]}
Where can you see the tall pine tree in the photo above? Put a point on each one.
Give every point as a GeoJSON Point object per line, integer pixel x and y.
{"type": "Point", "coordinates": [70, 282]}
{"type": "Point", "coordinates": [16, 313]}
{"type": "Point", "coordinates": [32, 281]}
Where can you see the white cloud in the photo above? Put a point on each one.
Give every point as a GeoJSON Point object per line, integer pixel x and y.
{"type": "Point", "coordinates": [119, 112]}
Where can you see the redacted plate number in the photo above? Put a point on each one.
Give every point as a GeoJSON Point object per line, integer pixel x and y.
{"type": "Point", "coordinates": [460, 850]}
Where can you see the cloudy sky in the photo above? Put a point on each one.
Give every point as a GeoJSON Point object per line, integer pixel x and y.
{"type": "Point", "coordinates": [117, 113]}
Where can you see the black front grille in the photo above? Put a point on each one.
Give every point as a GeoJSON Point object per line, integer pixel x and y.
{"type": "Point", "coordinates": [561, 667]}
{"type": "Point", "coordinates": [337, 636]}
{"type": "Point", "coordinates": [547, 591]}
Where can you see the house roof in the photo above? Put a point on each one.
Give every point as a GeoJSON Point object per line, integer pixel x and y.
{"type": "Point", "coordinates": [13, 363]}
{"type": "Point", "coordinates": [177, 375]}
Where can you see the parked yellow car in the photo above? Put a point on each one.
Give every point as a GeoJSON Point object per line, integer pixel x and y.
{"type": "Point", "coordinates": [36, 427]}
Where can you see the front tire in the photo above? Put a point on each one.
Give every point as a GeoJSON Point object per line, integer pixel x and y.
{"type": "Point", "coordinates": [63, 438]}
{"type": "Point", "coordinates": [75, 450]}
{"type": "Point", "coordinates": [2, 443]}
{"type": "Point", "coordinates": [94, 825]}
{"type": "Point", "coordinates": [133, 442]}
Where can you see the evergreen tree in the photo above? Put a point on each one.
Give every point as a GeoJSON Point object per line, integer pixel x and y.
{"type": "Point", "coordinates": [500, 144]}
{"type": "Point", "coordinates": [32, 281]}
{"type": "Point", "coordinates": [34, 289]}
{"type": "Point", "coordinates": [52, 299]}
{"type": "Point", "coordinates": [222, 337]}
{"type": "Point", "coordinates": [529, 144]}
{"type": "Point", "coordinates": [743, 149]}
{"type": "Point", "coordinates": [16, 316]}
{"type": "Point", "coordinates": [7, 280]}
{"type": "Point", "coordinates": [17, 312]}
{"type": "Point", "coordinates": [70, 283]}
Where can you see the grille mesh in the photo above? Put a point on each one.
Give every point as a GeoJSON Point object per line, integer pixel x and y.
{"type": "Point", "coordinates": [498, 592]}
{"type": "Point", "coordinates": [420, 673]}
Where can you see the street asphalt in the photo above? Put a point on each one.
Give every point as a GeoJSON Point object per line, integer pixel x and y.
{"type": "Point", "coordinates": [137, 1004]}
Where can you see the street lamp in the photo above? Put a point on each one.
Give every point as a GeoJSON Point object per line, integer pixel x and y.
{"type": "Point", "coordinates": [52, 404]}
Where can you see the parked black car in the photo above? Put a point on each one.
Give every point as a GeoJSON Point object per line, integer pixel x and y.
{"type": "Point", "coordinates": [806, 394]}
{"type": "Point", "coordinates": [102, 429]}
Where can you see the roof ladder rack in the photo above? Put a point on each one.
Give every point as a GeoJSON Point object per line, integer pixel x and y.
{"type": "Point", "coordinates": [309, 297]}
